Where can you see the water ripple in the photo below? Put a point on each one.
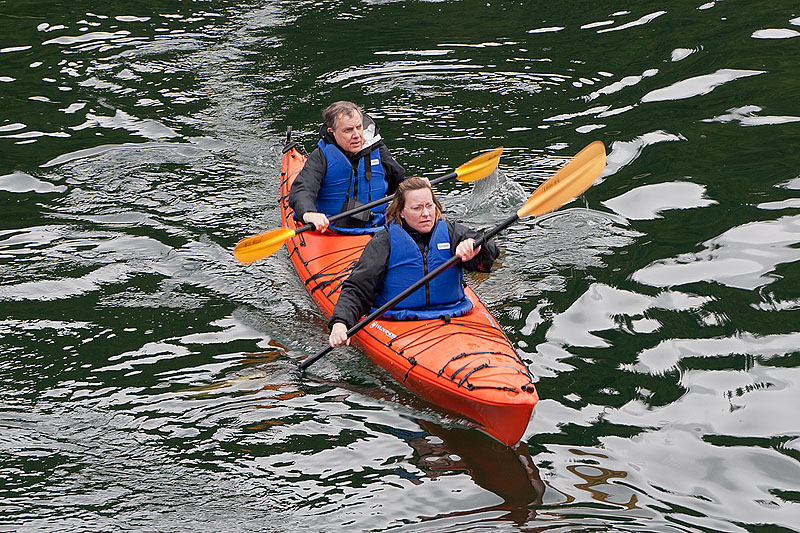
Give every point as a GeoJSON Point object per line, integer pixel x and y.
{"type": "Point", "coordinates": [698, 85]}
{"type": "Point", "coordinates": [742, 257]}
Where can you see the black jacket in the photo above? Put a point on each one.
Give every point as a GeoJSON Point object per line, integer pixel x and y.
{"type": "Point", "coordinates": [303, 196]}
{"type": "Point", "coordinates": [360, 288]}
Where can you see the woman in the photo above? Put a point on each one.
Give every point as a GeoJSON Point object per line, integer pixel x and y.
{"type": "Point", "coordinates": [416, 240]}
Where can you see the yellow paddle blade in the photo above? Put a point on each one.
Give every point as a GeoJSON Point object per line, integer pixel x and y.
{"type": "Point", "coordinates": [480, 166]}
{"type": "Point", "coordinates": [259, 246]}
{"type": "Point", "coordinates": [568, 183]}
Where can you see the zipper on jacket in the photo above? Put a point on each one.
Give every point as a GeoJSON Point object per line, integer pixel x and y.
{"type": "Point", "coordinates": [353, 180]}
{"type": "Point", "coordinates": [424, 249]}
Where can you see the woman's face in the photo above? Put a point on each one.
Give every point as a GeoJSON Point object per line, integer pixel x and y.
{"type": "Point", "coordinates": [419, 211]}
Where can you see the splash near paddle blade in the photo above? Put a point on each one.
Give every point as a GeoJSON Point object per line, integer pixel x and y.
{"type": "Point", "coordinates": [259, 246]}
{"type": "Point", "coordinates": [479, 167]}
{"type": "Point", "coordinates": [569, 182]}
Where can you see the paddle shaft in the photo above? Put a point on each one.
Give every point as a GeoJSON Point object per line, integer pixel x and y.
{"type": "Point", "coordinates": [370, 205]}
{"type": "Point", "coordinates": [416, 285]}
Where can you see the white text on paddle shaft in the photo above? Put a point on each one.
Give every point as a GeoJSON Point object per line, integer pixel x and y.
{"type": "Point", "coordinates": [383, 329]}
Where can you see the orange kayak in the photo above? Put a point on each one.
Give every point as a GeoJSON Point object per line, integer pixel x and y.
{"type": "Point", "coordinates": [465, 365]}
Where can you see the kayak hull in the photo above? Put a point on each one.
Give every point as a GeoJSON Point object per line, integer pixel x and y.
{"type": "Point", "coordinates": [465, 365]}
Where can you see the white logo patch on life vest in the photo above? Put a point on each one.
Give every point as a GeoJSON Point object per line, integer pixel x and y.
{"type": "Point", "coordinates": [443, 245]}
{"type": "Point", "coordinates": [375, 162]}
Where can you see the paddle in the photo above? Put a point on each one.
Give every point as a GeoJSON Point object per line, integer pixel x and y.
{"type": "Point", "coordinates": [567, 183]}
{"type": "Point", "coordinates": [264, 244]}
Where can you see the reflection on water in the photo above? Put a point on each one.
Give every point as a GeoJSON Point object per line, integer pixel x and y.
{"type": "Point", "coordinates": [509, 473]}
{"type": "Point", "coordinates": [742, 257]}
{"type": "Point", "coordinates": [149, 382]}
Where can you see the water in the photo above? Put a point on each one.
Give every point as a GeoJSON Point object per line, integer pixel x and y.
{"type": "Point", "coordinates": [148, 382]}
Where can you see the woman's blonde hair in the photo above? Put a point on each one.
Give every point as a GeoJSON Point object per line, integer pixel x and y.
{"type": "Point", "coordinates": [399, 201]}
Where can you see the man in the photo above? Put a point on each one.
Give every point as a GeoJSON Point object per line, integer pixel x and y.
{"type": "Point", "coordinates": [350, 166]}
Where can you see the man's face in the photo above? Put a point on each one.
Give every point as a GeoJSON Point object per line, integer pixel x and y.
{"type": "Point", "coordinates": [349, 132]}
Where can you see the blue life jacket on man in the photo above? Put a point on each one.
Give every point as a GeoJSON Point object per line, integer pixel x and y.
{"type": "Point", "coordinates": [365, 183]}
{"type": "Point", "coordinates": [443, 295]}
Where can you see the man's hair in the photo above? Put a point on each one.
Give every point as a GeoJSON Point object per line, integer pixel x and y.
{"type": "Point", "coordinates": [331, 113]}
{"type": "Point", "coordinates": [399, 200]}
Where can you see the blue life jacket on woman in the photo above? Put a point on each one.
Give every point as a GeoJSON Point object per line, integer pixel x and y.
{"type": "Point", "coordinates": [443, 295]}
{"type": "Point", "coordinates": [341, 181]}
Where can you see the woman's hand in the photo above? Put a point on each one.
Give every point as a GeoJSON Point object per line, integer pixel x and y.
{"type": "Point", "coordinates": [319, 220]}
{"type": "Point", "coordinates": [466, 251]}
{"type": "Point", "coordinates": [338, 335]}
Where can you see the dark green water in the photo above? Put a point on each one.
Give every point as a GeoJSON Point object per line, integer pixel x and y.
{"type": "Point", "coordinates": [148, 382]}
